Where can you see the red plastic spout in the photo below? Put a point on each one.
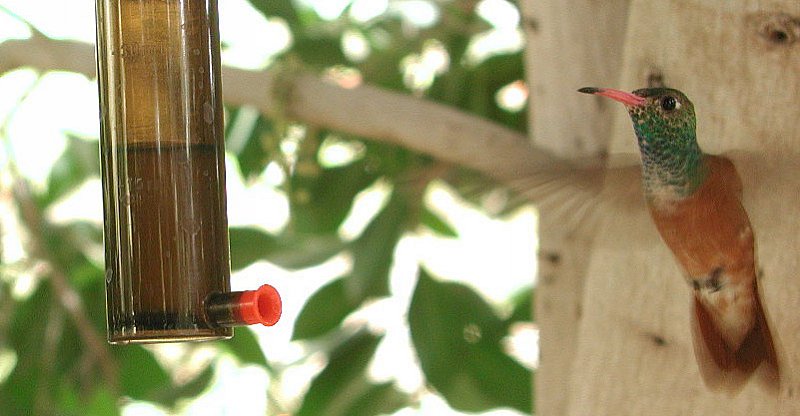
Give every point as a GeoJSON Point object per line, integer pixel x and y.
{"type": "Point", "coordinates": [260, 306]}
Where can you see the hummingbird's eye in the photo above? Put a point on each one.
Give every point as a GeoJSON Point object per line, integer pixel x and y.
{"type": "Point", "coordinates": [669, 103]}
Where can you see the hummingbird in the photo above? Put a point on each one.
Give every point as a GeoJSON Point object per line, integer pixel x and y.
{"type": "Point", "coordinates": [694, 199]}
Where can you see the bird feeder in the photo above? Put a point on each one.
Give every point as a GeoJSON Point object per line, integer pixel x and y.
{"type": "Point", "coordinates": [166, 237]}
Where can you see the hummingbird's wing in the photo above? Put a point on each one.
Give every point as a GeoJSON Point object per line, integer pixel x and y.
{"type": "Point", "coordinates": [590, 192]}
{"type": "Point", "coordinates": [585, 192]}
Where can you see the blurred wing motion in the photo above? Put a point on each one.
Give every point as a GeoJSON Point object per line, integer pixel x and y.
{"type": "Point", "coordinates": [581, 194]}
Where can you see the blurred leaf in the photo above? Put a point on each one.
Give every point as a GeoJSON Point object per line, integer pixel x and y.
{"type": "Point", "coordinates": [320, 52]}
{"type": "Point", "coordinates": [278, 8]}
{"type": "Point", "coordinates": [249, 245]}
{"type": "Point", "coordinates": [325, 310]}
{"type": "Point", "coordinates": [457, 337]}
{"type": "Point", "coordinates": [71, 346]}
{"type": "Point", "coordinates": [68, 402]}
{"type": "Point", "coordinates": [389, 46]}
{"type": "Point", "coordinates": [389, 161]}
{"type": "Point", "coordinates": [491, 75]}
{"type": "Point", "coordinates": [231, 114]}
{"type": "Point", "coordinates": [523, 306]}
{"type": "Point", "coordinates": [26, 337]}
{"type": "Point", "coordinates": [141, 377]}
{"type": "Point", "coordinates": [244, 345]}
{"type": "Point", "coordinates": [373, 251]}
{"type": "Point", "coordinates": [247, 136]}
{"type": "Point", "coordinates": [83, 232]}
{"type": "Point", "coordinates": [499, 70]}
{"type": "Point", "coordinates": [379, 399]}
{"type": "Point", "coordinates": [343, 389]}
{"type": "Point", "coordinates": [253, 159]}
{"type": "Point", "coordinates": [80, 161]}
{"type": "Point", "coordinates": [437, 224]}
{"type": "Point", "coordinates": [474, 88]}
{"type": "Point", "coordinates": [67, 245]}
{"type": "Point", "coordinates": [102, 402]}
{"type": "Point", "coordinates": [49, 353]}
{"type": "Point", "coordinates": [321, 200]}
{"type": "Point", "coordinates": [193, 388]}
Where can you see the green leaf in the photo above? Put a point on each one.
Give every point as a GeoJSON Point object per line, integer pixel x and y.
{"type": "Point", "coordinates": [380, 399]}
{"type": "Point", "coordinates": [67, 244]}
{"type": "Point", "coordinates": [437, 224]}
{"type": "Point", "coordinates": [250, 136]}
{"type": "Point", "coordinates": [26, 337]}
{"type": "Point", "coordinates": [244, 345]}
{"type": "Point", "coordinates": [325, 310]}
{"type": "Point", "coordinates": [253, 159]}
{"type": "Point", "coordinates": [473, 88]}
{"type": "Point", "coordinates": [278, 8]}
{"type": "Point", "coordinates": [390, 45]}
{"type": "Point", "coordinates": [488, 77]}
{"type": "Point", "coordinates": [101, 402]}
{"type": "Point", "coordinates": [80, 161]}
{"type": "Point", "coordinates": [321, 200]}
{"type": "Point", "coordinates": [92, 291]}
{"type": "Point", "coordinates": [320, 52]}
{"type": "Point", "coordinates": [193, 388]}
{"type": "Point", "coordinates": [392, 162]}
{"type": "Point", "coordinates": [343, 389]}
{"type": "Point", "coordinates": [523, 307]}
{"type": "Point", "coordinates": [49, 351]}
{"type": "Point", "coordinates": [141, 377]}
{"type": "Point", "coordinates": [373, 251]}
{"type": "Point", "coordinates": [249, 245]}
{"type": "Point", "coordinates": [457, 338]}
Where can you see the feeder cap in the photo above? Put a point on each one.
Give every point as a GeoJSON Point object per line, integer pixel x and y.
{"type": "Point", "coordinates": [261, 306]}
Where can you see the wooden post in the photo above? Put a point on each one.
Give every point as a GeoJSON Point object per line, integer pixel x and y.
{"type": "Point", "coordinates": [739, 62]}
{"type": "Point", "coordinates": [568, 48]}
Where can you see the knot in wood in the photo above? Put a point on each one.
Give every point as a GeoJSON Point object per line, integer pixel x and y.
{"type": "Point", "coordinates": [780, 29]}
{"type": "Point", "coordinates": [655, 78]}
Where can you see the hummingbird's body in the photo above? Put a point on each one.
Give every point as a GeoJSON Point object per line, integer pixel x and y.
{"type": "Point", "coordinates": [694, 200]}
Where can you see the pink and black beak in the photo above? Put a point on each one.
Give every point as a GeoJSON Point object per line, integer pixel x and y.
{"type": "Point", "coordinates": [624, 97]}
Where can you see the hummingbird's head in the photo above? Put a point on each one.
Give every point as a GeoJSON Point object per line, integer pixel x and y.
{"type": "Point", "coordinates": [665, 124]}
{"type": "Point", "coordinates": [660, 116]}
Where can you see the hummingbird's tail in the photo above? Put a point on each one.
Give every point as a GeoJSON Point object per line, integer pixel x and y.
{"type": "Point", "coordinates": [727, 369]}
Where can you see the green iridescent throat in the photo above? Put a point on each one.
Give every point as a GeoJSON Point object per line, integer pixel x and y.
{"type": "Point", "coordinates": [672, 162]}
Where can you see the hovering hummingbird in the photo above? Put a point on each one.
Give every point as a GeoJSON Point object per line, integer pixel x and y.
{"type": "Point", "coordinates": [694, 199]}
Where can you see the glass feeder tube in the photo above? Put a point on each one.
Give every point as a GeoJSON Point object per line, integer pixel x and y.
{"type": "Point", "coordinates": [162, 150]}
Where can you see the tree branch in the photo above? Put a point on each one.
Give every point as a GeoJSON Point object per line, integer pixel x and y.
{"type": "Point", "coordinates": [426, 127]}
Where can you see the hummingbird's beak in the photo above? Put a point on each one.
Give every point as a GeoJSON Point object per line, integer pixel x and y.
{"type": "Point", "coordinates": [617, 95]}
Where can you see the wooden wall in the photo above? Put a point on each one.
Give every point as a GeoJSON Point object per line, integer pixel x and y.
{"type": "Point", "coordinates": [565, 49]}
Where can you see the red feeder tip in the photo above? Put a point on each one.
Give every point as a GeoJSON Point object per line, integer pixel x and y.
{"type": "Point", "coordinates": [261, 306]}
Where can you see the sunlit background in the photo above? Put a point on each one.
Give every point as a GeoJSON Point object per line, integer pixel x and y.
{"type": "Point", "coordinates": [495, 256]}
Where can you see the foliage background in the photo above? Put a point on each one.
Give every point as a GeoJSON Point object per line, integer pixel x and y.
{"type": "Point", "coordinates": [332, 212]}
